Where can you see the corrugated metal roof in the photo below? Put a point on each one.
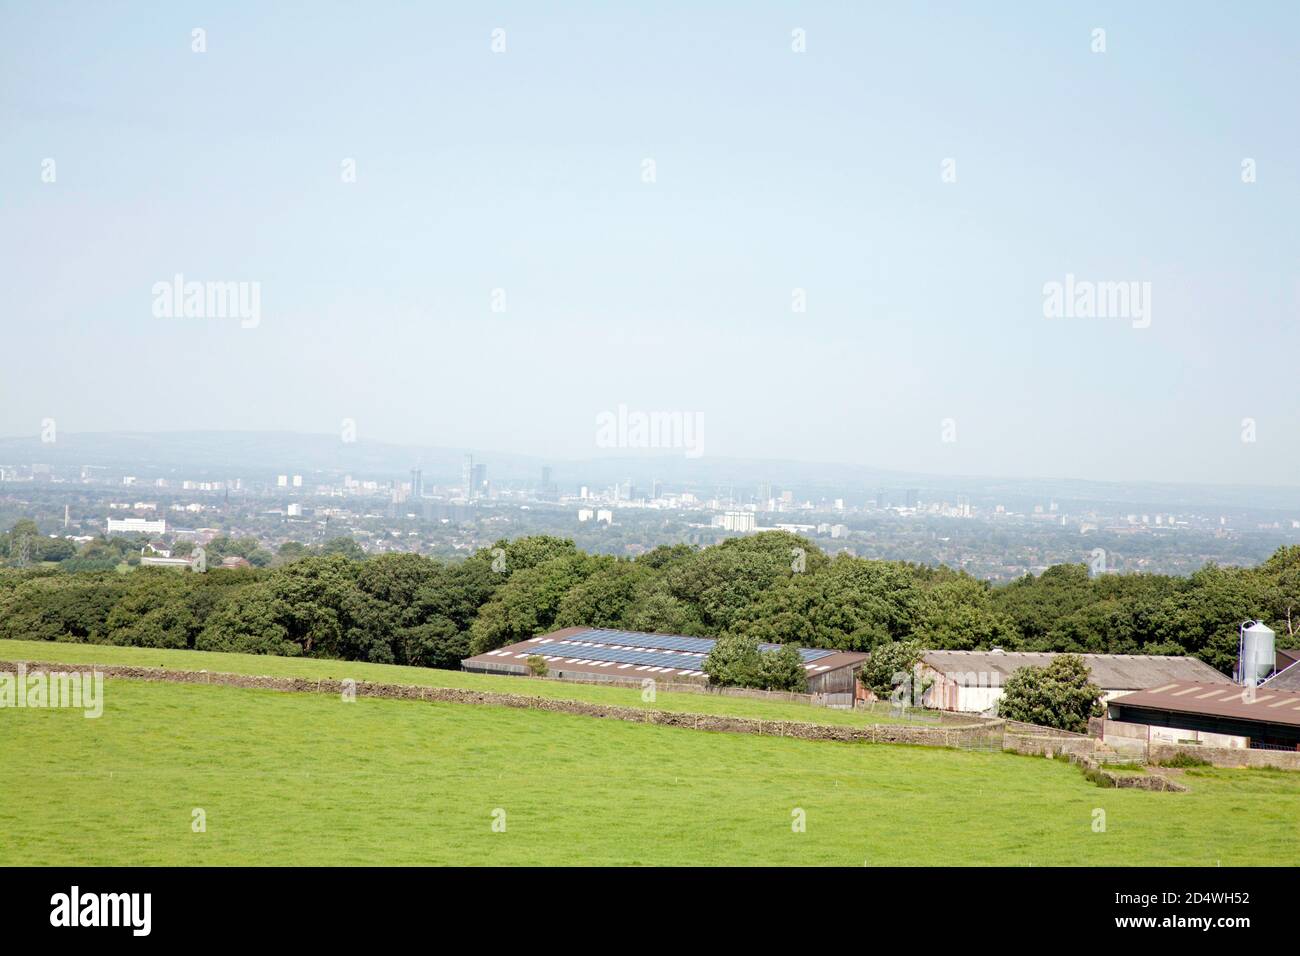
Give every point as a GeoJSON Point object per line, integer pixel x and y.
{"type": "Point", "coordinates": [1288, 679]}
{"type": "Point", "coordinates": [1109, 671]}
{"type": "Point", "coordinates": [1262, 705]}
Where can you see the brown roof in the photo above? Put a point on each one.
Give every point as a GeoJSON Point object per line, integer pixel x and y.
{"type": "Point", "coordinates": [1265, 705]}
{"type": "Point", "coordinates": [1109, 671]}
{"type": "Point", "coordinates": [610, 653]}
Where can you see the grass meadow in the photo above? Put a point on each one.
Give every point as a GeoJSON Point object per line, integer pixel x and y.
{"type": "Point", "coordinates": [310, 779]}
{"type": "Point", "coordinates": [262, 665]}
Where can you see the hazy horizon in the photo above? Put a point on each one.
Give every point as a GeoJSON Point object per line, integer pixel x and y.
{"type": "Point", "coordinates": [913, 179]}
{"type": "Point", "coordinates": [519, 466]}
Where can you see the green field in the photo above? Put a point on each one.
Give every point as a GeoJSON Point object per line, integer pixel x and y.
{"type": "Point", "coordinates": [84, 654]}
{"type": "Point", "coordinates": [309, 779]}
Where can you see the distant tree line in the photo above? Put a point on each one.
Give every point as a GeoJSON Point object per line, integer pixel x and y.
{"type": "Point", "coordinates": [772, 587]}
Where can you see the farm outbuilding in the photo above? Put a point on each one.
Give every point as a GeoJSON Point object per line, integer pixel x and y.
{"type": "Point", "coordinates": [592, 653]}
{"type": "Point", "coordinates": [1231, 716]}
{"type": "Point", "coordinates": [973, 681]}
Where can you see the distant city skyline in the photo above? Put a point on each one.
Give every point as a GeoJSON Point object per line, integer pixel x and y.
{"type": "Point", "coordinates": [952, 241]}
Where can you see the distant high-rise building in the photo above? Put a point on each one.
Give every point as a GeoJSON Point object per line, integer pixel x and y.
{"type": "Point", "coordinates": [417, 483]}
{"type": "Point", "coordinates": [546, 477]}
{"type": "Point", "coordinates": [478, 481]}
{"type": "Point", "coordinates": [738, 521]}
{"type": "Point", "coordinates": [467, 476]}
{"type": "Point", "coordinates": [282, 481]}
{"type": "Point", "coordinates": [656, 489]}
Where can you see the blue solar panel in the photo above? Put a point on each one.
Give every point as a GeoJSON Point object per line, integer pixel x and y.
{"type": "Point", "coordinates": [647, 658]}
{"type": "Point", "coordinates": [671, 642]}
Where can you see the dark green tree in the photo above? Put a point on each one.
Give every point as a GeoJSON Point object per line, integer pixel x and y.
{"type": "Point", "coordinates": [1059, 695]}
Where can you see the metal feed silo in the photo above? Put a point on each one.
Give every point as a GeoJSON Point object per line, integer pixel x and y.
{"type": "Point", "coordinates": [1255, 652]}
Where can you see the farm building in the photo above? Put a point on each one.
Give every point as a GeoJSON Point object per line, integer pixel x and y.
{"type": "Point", "coordinates": [972, 681]}
{"type": "Point", "coordinates": [591, 653]}
{"type": "Point", "coordinates": [1213, 714]}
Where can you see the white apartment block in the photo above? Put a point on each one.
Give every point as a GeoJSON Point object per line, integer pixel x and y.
{"type": "Point", "coordinates": [137, 525]}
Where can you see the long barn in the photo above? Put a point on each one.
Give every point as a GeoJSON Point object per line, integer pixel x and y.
{"type": "Point", "coordinates": [593, 653]}
{"type": "Point", "coordinates": [973, 681]}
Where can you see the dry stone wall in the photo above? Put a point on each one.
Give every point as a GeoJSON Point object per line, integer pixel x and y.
{"type": "Point", "coordinates": [931, 736]}
{"type": "Point", "coordinates": [1227, 756]}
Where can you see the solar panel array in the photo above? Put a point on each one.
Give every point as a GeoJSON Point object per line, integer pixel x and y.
{"type": "Point", "coordinates": [611, 655]}
{"type": "Point", "coordinates": [677, 642]}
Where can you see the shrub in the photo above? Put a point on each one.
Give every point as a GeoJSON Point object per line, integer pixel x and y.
{"type": "Point", "coordinates": [783, 670]}
{"type": "Point", "coordinates": [537, 664]}
{"type": "Point", "coordinates": [735, 661]}
{"type": "Point", "coordinates": [1184, 760]}
{"type": "Point", "coordinates": [1059, 695]}
{"type": "Point", "coordinates": [891, 665]}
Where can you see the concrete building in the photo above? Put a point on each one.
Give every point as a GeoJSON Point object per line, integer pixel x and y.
{"type": "Point", "coordinates": [158, 561]}
{"type": "Point", "coordinates": [137, 526]}
{"type": "Point", "coordinates": [743, 521]}
{"type": "Point", "coordinates": [973, 681]}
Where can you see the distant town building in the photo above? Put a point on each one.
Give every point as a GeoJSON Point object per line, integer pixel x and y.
{"type": "Point", "coordinates": [743, 521]}
{"type": "Point", "coordinates": [158, 561]}
{"type": "Point", "coordinates": [137, 526]}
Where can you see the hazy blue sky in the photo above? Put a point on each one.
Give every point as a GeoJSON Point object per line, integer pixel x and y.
{"type": "Point", "coordinates": [776, 170]}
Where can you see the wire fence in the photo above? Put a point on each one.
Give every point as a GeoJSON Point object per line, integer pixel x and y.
{"type": "Point", "coordinates": [911, 715]}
